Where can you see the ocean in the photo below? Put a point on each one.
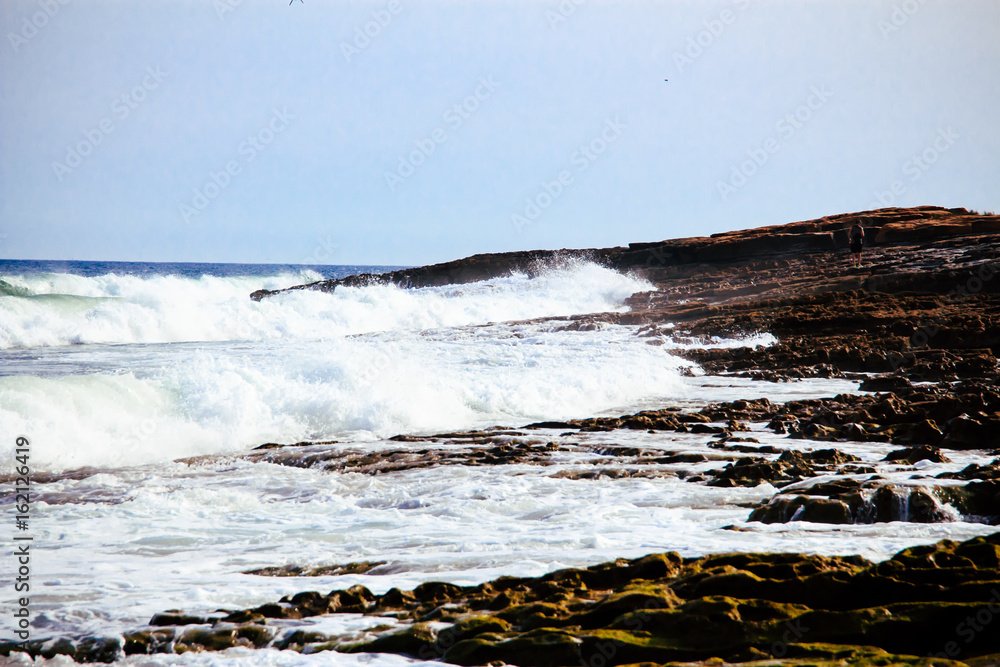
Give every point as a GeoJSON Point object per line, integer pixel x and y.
{"type": "Point", "coordinates": [141, 388]}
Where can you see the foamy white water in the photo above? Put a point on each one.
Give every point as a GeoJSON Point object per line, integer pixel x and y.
{"type": "Point", "coordinates": [120, 309]}
{"type": "Point", "coordinates": [198, 368]}
{"type": "Point", "coordinates": [175, 536]}
{"type": "Point", "coordinates": [127, 374]}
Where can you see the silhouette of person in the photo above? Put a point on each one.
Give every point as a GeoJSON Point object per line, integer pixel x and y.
{"type": "Point", "coordinates": [857, 237]}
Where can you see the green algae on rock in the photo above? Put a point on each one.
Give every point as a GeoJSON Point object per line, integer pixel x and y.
{"type": "Point", "coordinates": [927, 605]}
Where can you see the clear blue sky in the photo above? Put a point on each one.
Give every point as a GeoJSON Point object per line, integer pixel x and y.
{"type": "Point", "coordinates": [115, 115]}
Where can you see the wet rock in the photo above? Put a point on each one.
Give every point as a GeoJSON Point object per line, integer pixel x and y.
{"type": "Point", "coordinates": [85, 649]}
{"type": "Point", "coordinates": [299, 639]}
{"type": "Point", "coordinates": [829, 457]}
{"type": "Point", "coordinates": [732, 267]}
{"type": "Point", "coordinates": [542, 647]}
{"type": "Point", "coordinates": [98, 649]}
{"type": "Point", "coordinates": [662, 608]}
{"type": "Point", "coordinates": [477, 625]}
{"type": "Point", "coordinates": [680, 458]}
{"type": "Point", "coordinates": [974, 471]}
{"type": "Point", "coordinates": [356, 599]}
{"type": "Point", "coordinates": [629, 600]}
{"type": "Point", "coordinates": [816, 432]}
{"type": "Point", "coordinates": [393, 599]}
{"type": "Point", "coordinates": [885, 383]}
{"type": "Point", "coordinates": [964, 432]}
{"type": "Point", "coordinates": [852, 431]}
{"type": "Point", "coordinates": [175, 617]}
{"type": "Point", "coordinates": [832, 488]}
{"type": "Point", "coordinates": [848, 501]}
{"type": "Point", "coordinates": [790, 467]}
{"type": "Point", "coordinates": [211, 639]}
{"type": "Point", "coordinates": [61, 646]}
{"type": "Point", "coordinates": [245, 616]}
{"type": "Point", "coordinates": [913, 454]}
{"type": "Point", "coordinates": [803, 508]}
{"type": "Point", "coordinates": [436, 591]}
{"type": "Point", "coordinates": [705, 428]}
{"type": "Point", "coordinates": [924, 432]}
{"type": "Point", "coordinates": [978, 501]}
{"type": "Point", "coordinates": [144, 642]}
{"type": "Point", "coordinates": [726, 443]}
{"type": "Point", "coordinates": [417, 641]}
{"type": "Point", "coordinates": [361, 567]}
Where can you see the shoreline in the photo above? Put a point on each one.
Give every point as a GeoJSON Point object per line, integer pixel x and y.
{"type": "Point", "coordinates": [919, 326]}
{"type": "Point", "coordinates": [759, 263]}
{"type": "Point", "coordinates": [740, 608]}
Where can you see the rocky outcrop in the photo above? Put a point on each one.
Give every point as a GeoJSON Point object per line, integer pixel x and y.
{"type": "Point", "coordinates": [873, 501]}
{"type": "Point", "coordinates": [776, 260]}
{"type": "Point", "coordinates": [918, 326]}
{"type": "Point", "coordinates": [908, 417]}
{"type": "Point", "coordinates": [916, 230]}
{"type": "Point", "coordinates": [361, 567]}
{"type": "Point", "coordinates": [955, 415]}
{"type": "Point", "coordinates": [913, 337]}
{"type": "Point", "coordinates": [927, 605]}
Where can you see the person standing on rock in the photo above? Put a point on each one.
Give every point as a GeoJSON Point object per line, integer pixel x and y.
{"type": "Point", "coordinates": [857, 237]}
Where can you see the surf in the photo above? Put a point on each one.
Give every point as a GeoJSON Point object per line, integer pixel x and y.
{"type": "Point", "coordinates": [64, 309]}
{"type": "Point", "coordinates": [127, 370]}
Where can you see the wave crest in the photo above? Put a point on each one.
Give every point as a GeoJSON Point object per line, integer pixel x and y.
{"type": "Point", "coordinates": [64, 309]}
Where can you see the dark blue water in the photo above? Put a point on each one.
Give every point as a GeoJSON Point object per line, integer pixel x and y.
{"type": "Point", "coordinates": [9, 267]}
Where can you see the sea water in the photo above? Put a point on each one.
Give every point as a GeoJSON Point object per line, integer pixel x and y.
{"type": "Point", "coordinates": [117, 372]}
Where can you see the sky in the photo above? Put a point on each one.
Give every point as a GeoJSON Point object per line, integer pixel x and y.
{"type": "Point", "coordinates": [407, 132]}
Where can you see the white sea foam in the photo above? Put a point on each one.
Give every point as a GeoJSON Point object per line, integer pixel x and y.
{"type": "Point", "coordinates": [189, 400]}
{"type": "Point", "coordinates": [243, 657]}
{"type": "Point", "coordinates": [360, 363]}
{"type": "Point", "coordinates": [71, 310]}
{"type": "Point", "coordinates": [126, 544]}
{"type": "Point", "coordinates": [129, 374]}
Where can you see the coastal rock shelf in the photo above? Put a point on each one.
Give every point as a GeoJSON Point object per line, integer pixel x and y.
{"type": "Point", "coordinates": [909, 248]}
{"type": "Point", "coordinates": [918, 324]}
{"type": "Point", "coordinates": [863, 409]}
{"type": "Point", "coordinates": [920, 337]}
{"type": "Point", "coordinates": [938, 600]}
{"type": "Point", "coordinates": [851, 491]}
{"type": "Point", "coordinates": [741, 608]}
